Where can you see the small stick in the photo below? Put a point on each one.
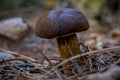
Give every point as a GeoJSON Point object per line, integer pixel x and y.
{"type": "Point", "coordinates": [15, 53]}
{"type": "Point", "coordinates": [58, 73]}
{"type": "Point", "coordinates": [84, 54]}
{"type": "Point", "coordinates": [45, 57]}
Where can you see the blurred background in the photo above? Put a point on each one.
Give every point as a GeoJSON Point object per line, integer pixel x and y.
{"type": "Point", "coordinates": [103, 17]}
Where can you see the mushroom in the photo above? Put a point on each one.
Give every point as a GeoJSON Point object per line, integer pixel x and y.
{"type": "Point", "coordinates": [63, 24]}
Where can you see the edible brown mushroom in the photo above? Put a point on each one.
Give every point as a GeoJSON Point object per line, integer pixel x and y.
{"type": "Point", "coordinates": [63, 24]}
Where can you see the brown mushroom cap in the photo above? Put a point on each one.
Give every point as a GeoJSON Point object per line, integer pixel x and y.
{"type": "Point", "coordinates": [61, 22]}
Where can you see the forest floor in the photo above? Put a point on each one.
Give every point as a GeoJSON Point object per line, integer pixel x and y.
{"type": "Point", "coordinates": [98, 37]}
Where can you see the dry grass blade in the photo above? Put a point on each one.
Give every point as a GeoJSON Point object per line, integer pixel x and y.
{"type": "Point", "coordinates": [45, 57]}
{"type": "Point", "coordinates": [17, 54]}
{"type": "Point", "coordinates": [61, 77]}
{"type": "Point", "coordinates": [84, 54]}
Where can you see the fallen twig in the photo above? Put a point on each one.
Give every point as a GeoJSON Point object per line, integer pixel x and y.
{"type": "Point", "coordinates": [17, 54]}
{"type": "Point", "coordinates": [55, 70]}
{"type": "Point", "coordinates": [84, 54]}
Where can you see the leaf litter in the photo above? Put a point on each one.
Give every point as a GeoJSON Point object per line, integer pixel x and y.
{"type": "Point", "coordinates": [22, 67]}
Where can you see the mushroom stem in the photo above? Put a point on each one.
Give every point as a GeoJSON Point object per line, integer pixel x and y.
{"type": "Point", "coordinates": [68, 46]}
